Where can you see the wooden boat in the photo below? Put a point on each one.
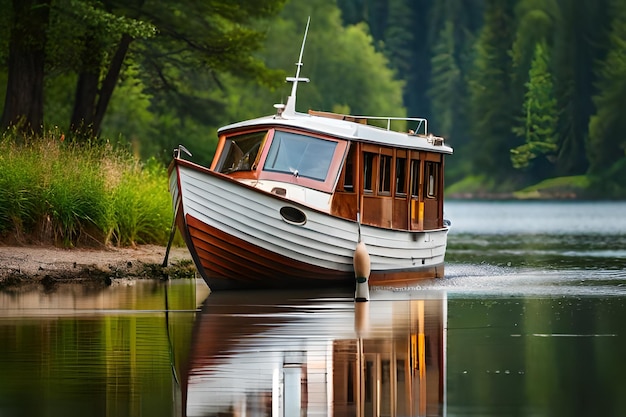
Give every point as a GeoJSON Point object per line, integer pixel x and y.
{"type": "Point", "coordinates": [288, 196]}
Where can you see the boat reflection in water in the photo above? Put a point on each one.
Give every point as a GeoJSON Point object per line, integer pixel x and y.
{"type": "Point", "coordinates": [304, 354]}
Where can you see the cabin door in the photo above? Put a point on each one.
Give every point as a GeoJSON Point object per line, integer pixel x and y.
{"type": "Point", "coordinates": [432, 191]}
{"type": "Point", "coordinates": [416, 203]}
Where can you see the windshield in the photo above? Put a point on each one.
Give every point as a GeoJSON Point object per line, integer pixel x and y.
{"type": "Point", "coordinates": [240, 152]}
{"type": "Point", "coordinates": [300, 155]}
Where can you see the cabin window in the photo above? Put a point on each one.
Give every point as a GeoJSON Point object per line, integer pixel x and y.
{"type": "Point", "coordinates": [240, 152]}
{"type": "Point", "coordinates": [401, 177]}
{"type": "Point", "coordinates": [415, 178]}
{"type": "Point", "coordinates": [300, 155]}
{"type": "Point", "coordinates": [348, 179]}
{"type": "Point", "coordinates": [384, 176]}
{"type": "Point", "coordinates": [368, 172]}
{"type": "Point", "coordinates": [431, 171]}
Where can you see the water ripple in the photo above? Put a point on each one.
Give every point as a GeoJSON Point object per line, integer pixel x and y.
{"type": "Point", "coordinates": [502, 281]}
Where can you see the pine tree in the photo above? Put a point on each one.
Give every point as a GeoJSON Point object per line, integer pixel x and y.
{"type": "Point", "coordinates": [399, 38]}
{"type": "Point", "coordinates": [446, 83]}
{"type": "Point", "coordinates": [607, 141]}
{"type": "Point", "coordinates": [452, 28]}
{"type": "Point", "coordinates": [579, 43]}
{"type": "Point", "coordinates": [535, 23]}
{"type": "Point", "coordinates": [539, 122]}
{"type": "Point", "coordinates": [491, 107]}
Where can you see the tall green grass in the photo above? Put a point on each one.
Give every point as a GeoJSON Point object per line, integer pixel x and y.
{"type": "Point", "coordinates": [140, 205]}
{"type": "Point", "coordinates": [71, 193]}
{"type": "Point", "coordinates": [20, 192]}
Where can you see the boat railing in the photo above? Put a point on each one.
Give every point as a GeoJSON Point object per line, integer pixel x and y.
{"type": "Point", "coordinates": [421, 123]}
{"type": "Point", "coordinates": [421, 127]}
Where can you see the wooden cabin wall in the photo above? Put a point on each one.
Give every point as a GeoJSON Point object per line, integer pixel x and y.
{"type": "Point", "coordinates": [391, 188]}
{"type": "Point", "coordinates": [345, 201]}
{"type": "Point", "coordinates": [344, 205]}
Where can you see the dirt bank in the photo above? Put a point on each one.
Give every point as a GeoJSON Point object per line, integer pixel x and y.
{"type": "Point", "coordinates": [44, 264]}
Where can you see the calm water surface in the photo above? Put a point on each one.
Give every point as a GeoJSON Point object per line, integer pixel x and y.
{"type": "Point", "coordinates": [529, 321]}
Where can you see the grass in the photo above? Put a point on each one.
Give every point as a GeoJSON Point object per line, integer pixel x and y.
{"type": "Point", "coordinates": [554, 188]}
{"type": "Point", "coordinates": [52, 191]}
{"type": "Point", "coordinates": [477, 186]}
{"type": "Point", "coordinates": [561, 187]}
{"type": "Point", "coordinates": [141, 206]}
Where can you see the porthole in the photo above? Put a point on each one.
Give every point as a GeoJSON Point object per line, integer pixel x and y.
{"type": "Point", "coordinates": [293, 215]}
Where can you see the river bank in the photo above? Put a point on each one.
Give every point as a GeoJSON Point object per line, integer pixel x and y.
{"type": "Point", "coordinates": [49, 265]}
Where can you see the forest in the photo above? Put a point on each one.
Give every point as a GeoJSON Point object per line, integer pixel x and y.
{"type": "Point", "coordinates": [529, 93]}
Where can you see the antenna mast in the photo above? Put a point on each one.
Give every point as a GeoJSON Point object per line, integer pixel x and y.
{"type": "Point", "coordinates": [291, 101]}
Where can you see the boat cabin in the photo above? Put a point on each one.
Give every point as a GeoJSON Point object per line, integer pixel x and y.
{"type": "Point", "coordinates": [390, 186]}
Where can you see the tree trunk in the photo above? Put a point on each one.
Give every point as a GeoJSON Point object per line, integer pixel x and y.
{"type": "Point", "coordinates": [110, 80]}
{"type": "Point", "coordinates": [91, 102]}
{"type": "Point", "coordinates": [23, 106]}
{"type": "Point", "coordinates": [81, 123]}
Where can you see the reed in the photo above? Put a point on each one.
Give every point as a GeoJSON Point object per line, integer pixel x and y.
{"type": "Point", "coordinates": [20, 192]}
{"type": "Point", "coordinates": [140, 205]}
{"type": "Point", "coordinates": [52, 191]}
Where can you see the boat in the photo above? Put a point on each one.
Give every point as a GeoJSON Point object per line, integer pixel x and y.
{"type": "Point", "coordinates": [316, 199]}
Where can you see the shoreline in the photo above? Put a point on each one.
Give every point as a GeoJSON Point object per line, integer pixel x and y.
{"type": "Point", "coordinates": [49, 265]}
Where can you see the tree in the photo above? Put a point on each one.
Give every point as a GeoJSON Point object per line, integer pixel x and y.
{"type": "Point", "coordinates": [23, 106]}
{"type": "Point", "coordinates": [399, 29]}
{"type": "Point", "coordinates": [104, 34]}
{"type": "Point", "coordinates": [451, 30]}
{"type": "Point", "coordinates": [399, 41]}
{"type": "Point", "coordinates": [539, 121]}
{"type": "Point", "coordinates": [579, 43]}
{"type": "Point", "coordinates": [351, 76]}
{"type": "Point", "coordinates": [535, 23]}
{"type": "Point", "coordinates": [415, 48]}
{"type": "Point", "coordinates": [492, 112]}
{"type": "Point", "coordinates": [607, 141]}
{"type": "Point", "coordinates": [446, 83]}
{"type": "Point", "coordinates": [352, 11]}
{"type": "Point", "coordinates": [202, 37]}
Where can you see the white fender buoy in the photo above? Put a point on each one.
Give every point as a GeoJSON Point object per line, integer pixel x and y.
{"type": "Point", "coordinates": [361, 272]}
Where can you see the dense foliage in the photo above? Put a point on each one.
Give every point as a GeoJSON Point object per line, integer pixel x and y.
{"type": "Point", "coordinates": [524, 90]}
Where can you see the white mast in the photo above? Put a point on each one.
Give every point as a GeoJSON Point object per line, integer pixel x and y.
{"type": "Point", "coordinates": [291, 100]}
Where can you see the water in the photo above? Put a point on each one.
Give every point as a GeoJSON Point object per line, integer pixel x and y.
{"type": "Point", "coordinates": [94, 351]}
{"type": "Point", "coordinates": [529, 321]}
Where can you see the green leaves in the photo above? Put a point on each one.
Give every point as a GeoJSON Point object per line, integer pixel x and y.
{"type": "Point", "coordinates": [93, 14]}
